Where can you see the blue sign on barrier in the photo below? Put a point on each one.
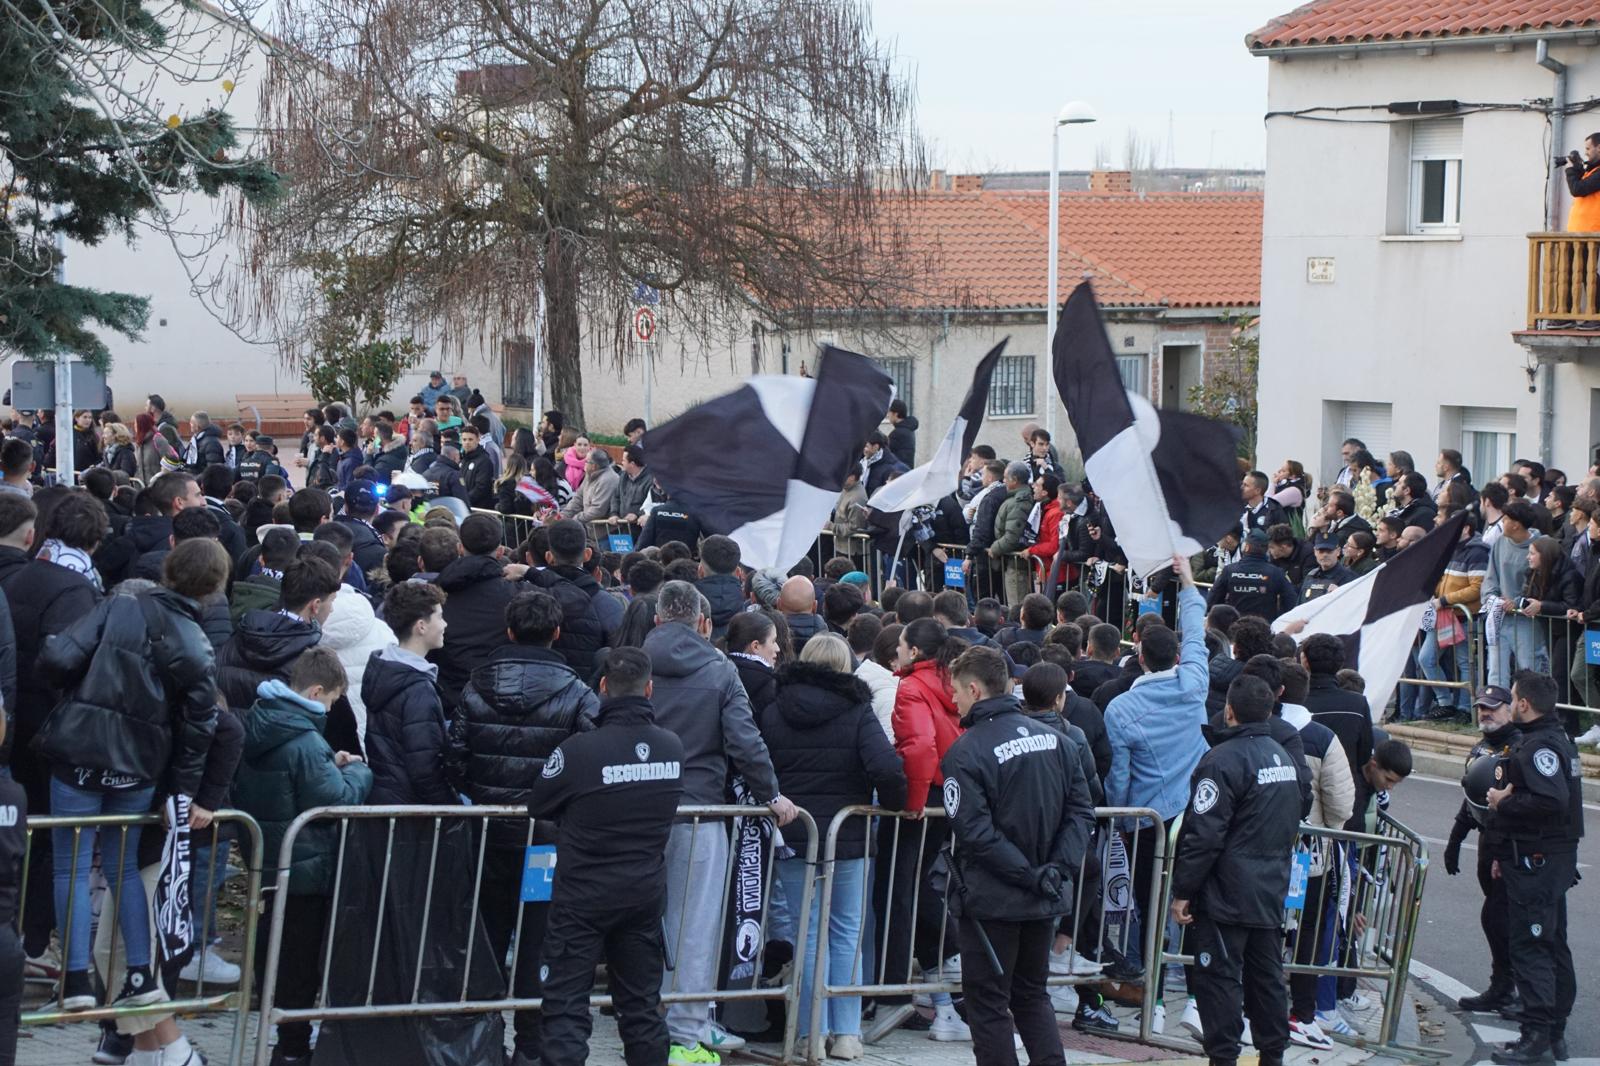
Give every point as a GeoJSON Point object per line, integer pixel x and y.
{"type": "Point", "coordinates": [1299, 875]}
{"type": "Point", "coordinates": [538, 873]}
{"type": "Point", "coordinates": [622, 543]}
{"type": "Point", "coordinates": [954, 578]}
{"type": "Point", "coordinates": [1591, 647]}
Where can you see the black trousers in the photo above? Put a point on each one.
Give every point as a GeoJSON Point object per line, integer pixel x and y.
{"type": "Point", "coordinates": [1314, 920]}
{"type": "Point", "coordinates": [305, 922]}
{"type": "Point", "coordinates": [11, 959]}
{"type": "Point", "coordinates": [628, 941]}
{"type": "Point", "coordinates": [1495, 917]}
{"type": "Point", "coordinates": [895, 897]}
{"type": "Point", "coordinates": [499, 898]}
{"type": "Point", "coordinates": [1536, 897]}
{"type": "Point", "coordinates": [1239, 966]}
{"type": "Point", "coordinates": [1017, 995]}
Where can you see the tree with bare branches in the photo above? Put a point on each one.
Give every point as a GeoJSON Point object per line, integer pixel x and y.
{"type": "Point", "coordinates": [745, 158]}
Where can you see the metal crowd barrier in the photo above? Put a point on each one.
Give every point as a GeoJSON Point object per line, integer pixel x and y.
{"type": "Point", "coordinates": [1361, 913]}
{"type": "Point", "coordinates": [879, 970]}
{"type": "Point", "coordinates": [433, 820]}
{"type": "Point", "coordinates": [105, 953]}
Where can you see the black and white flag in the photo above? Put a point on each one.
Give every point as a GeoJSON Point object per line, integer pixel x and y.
{"type": "Point", "coordinates": [765, 462]}
{"type": "Point", "coordinates": [1378, 615]}
{"type": "Point", "coordinates": [939, 476]}
{"type": "Point", "coordinates": [1169, 480]}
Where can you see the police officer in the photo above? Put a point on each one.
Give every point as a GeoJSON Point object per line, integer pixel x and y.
{"type": "Point", "coordinates": [1329, 572]}
{"type": "Point", "coordinates": [1231, 876]}
{"type": "Point", "coordinates": [615, 792]}
{"type": "Point", "coordinates": [1486, 769]}
{"type": "Point", "coordinates": [1253, 585]}
{"type": "Point", "coordinates": [1021, 814]}
{"type": "Point", "coordinates": [1539, 808]}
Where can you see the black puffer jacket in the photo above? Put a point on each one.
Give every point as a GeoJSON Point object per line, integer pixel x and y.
{"type": "Point", "coordinates": [727, 598]}
{"type": "Point", "coordinates": [1240, 828]}
{"type": "Point", "coordinates": [802, 627]}
{"type": "Point", "coordinates": [116, 557]}
{"type": "Point", "coordinates": [475, 619]}
{"type": "Point", "coordinates": [405, 731]}
{"type": "Point", "coordinates": [368, 546]}
{"type": "Point", "coordinates": [207, 445]}
{"type": "Point", "coordinates": [139, 698]}
{"type": "Point", "coordinates": [588, 616]}
{"type": "Point", "coordinates": [829, 751]}
{"type": "Point", "coordinates": [264, 645]}
{"type": "Point", "coordinates": [45, 599]}
{"type": "Point", "coordinates": [514, 710]}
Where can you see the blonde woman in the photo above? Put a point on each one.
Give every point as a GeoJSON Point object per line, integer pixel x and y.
{"type": "Point", "coordinates": [118, 452]}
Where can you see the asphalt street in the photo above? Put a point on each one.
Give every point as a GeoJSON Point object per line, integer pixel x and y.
{"type": "Point", "coordinates": [1450, 943]}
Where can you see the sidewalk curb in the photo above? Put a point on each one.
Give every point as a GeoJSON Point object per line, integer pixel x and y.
{"type": "Point", "coordinates": [1448, 765]}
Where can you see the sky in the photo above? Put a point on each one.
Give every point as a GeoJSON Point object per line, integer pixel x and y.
{"type": "Point", "coordinates": [992, 74]}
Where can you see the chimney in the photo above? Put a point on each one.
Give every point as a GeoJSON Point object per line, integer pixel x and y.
{"type": "Point", "coordinates": [1110, 181]}
{"type": "Point", "coordinates": [936, 181]}
{"type": "Point", "coordinates": [968, 182]}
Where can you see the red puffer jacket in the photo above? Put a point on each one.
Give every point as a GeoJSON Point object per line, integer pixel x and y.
{"type": "Point", "coordinates": [926, 723]}
{"type": "Point", "coordinates": [1049, 532]}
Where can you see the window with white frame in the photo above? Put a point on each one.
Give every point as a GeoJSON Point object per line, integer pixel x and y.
{"type": "Point", "coordinates": [1435, 176]}
{"type": "Point", "coordinates": [1488, 441]}
{"type": "Point", "coordinates": [1011, 388]}
{"type": "Point", "coordinates": [1134, 370]}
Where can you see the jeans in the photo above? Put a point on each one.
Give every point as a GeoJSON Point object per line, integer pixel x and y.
{"type": "Point", "coordinates": [1430, 656]}
{"type": "Point", "coordinates": [841, 1016]}
{"type": "Point", "coordinates": [120, 853]}
{"type": "Point", "coordinates": [1519, 636]}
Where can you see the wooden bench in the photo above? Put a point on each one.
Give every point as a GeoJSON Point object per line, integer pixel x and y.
{"type": "Point", "coordinates": [279, 415]}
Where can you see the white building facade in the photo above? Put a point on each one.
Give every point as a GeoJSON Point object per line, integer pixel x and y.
{"type": "Point", "coordinates": [1404, 177]}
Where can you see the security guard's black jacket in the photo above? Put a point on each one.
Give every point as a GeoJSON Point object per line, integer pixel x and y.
{"type": "Point", "coordinates": [1017, 801]}
{"type": "Point", "coordinates": [615, 792]}
{"type": "Point", "coordinates": [1544, 812]}
{"type": "Point", "coordinates": [1240, 828]}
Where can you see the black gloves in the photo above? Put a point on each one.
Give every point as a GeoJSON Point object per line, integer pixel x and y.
{"type": "Point", "coordinates": [1047, 882]}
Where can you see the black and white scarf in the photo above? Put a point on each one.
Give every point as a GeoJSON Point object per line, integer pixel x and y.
{"type": "Point", "coordinates": [174, 912]}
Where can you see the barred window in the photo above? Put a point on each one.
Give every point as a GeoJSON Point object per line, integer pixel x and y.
{"type": "Point", "coordinates": [1011, 389]}
{"type": "Point", "coordinates": [902, 373]}
{"type": "Point", "coordinates": [1132, 370]}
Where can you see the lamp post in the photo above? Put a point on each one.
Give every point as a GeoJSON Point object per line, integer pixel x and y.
{"type": "Point", "coordinates": [1073, 114]}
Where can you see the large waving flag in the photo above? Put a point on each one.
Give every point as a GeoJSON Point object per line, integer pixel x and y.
{"type": "Point", "coordinates": [939, 476]}
{"type": "Point", "coordinates": [1169, 480]}
{"type": "Point", "coordinates": [765, 463]}
{"type": "Point", "coordinates": [1378, 615]}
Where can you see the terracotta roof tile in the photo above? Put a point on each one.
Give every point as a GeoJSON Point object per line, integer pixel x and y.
{"type": "Point", "coordinates": [1355, 21]}
{"type": "Point", "coordinates": [1162, 249]}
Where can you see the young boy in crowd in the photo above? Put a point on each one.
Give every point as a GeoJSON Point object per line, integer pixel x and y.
{"type": "Point", "coordinates": [289, 768]}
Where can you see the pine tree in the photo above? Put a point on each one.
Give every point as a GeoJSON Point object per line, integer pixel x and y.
{"type": "Point", "coordinates": [87, 156]}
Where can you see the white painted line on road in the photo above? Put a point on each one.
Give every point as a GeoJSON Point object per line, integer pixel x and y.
{"type": "Point", "coordinates": [1429, 780]}
{"type": "Point", "coordinates": [1493, 1034]}
{"type": "Point", "coordinates": [1440, 981]}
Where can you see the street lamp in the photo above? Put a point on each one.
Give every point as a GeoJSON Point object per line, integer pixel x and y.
{"type": "Point", "coordinates": [1075, 113]}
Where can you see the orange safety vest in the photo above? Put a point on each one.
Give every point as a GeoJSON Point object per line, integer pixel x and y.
{"type": "Point", "coordinates": [1585, 214]}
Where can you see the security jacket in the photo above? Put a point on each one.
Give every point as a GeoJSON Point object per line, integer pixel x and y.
{"type": "Point", "coordinates": [1017, 802]}
{"type": "Point", "coordinates": [1544, 813]}
{"type": "Point", "coordinates": [615, 791]}
{"type": "Point", "coordinates": [1240, 828]}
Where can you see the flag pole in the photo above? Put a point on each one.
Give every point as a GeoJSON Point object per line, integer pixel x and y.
{"type": "Point", "coordinates": [894, 565]}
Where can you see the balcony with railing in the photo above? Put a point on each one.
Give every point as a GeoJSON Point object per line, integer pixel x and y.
{"type": "Point", "coordinates": [1563, 297]}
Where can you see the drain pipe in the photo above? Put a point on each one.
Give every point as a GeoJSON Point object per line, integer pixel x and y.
{"type": "Point", "coordinates": [1552, 222]}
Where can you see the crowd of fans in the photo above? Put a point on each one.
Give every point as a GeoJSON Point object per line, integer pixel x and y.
{"type": "Point", "coordinates": [183, 623]}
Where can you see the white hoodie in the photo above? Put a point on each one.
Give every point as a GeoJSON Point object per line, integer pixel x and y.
{"type": "Point", "coordinates": [354, 632]}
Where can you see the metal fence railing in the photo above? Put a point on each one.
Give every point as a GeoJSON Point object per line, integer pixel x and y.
{"type": "Point", "coordinates": [113, 834]}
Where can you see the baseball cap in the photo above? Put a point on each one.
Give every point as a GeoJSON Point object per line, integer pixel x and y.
{"type": "Point", "coordinates": [264, 441]}
{"type": "Point", "coordinates": [360, 495]}
{"type": "Point", "coordinates": [1492, 696]}
{"type": "Point", "coordinates": [435, 373]}
{"type": "Point", "coordinates": [1256, 537]}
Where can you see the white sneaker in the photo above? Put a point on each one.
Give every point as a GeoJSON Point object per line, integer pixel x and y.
{"type": "Point", "coordinates": [948, 1026]}
{"type": "Point", "coordinates": [1591, 738]}
{"type": "Point", "coordinates": [719, 1039]}
{"type": "Point", "coordinates": [1158, 1019]}
{"type": "Point", "coordinates": [1332, 1021]}
{"type": "Point", "coordinates": [45, 966]}
{"type": "Point", "coordinates": [1358, 1003]}
{"type": "Point", "coordinates": [845, 1047]}
{"type": "Point", "coordinates": [1064, 998]}
{"type": "Point", "coordinates": [218, 970]}
{"type": "Point", "coordinates": [1309, 1034]}
{"type": "Point", "coordinates": [1068, 961]}
{"type": "Point", "coordinates": [1191, 1020]}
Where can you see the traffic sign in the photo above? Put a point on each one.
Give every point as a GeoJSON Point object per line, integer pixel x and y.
{"type": "Point", "coordinates": [644, 325]}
